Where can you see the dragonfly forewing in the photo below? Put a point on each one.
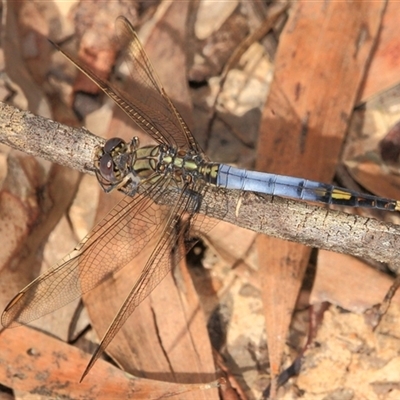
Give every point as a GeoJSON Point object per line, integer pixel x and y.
{"type": "Point", "coordinates": [155, 105]}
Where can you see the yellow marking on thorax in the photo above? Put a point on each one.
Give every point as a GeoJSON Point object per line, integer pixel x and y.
{"type": "Point", "coordinates": [146, 160]}
{"type": "Point", "coordinates": [178, 162]}
{"type": "Point", "coordinates": [190, 165]}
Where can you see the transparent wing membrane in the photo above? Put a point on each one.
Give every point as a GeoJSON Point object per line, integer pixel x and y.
{"type": "Point", "coordinates": [154, 102]}
{"type": "Point", "coordinates": [115, 241]}
{"type": "Point", "coordinates": [157, 267]}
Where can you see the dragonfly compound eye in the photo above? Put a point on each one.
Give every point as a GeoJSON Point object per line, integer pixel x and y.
{"type": "Point", "coordinates": [114, 144]}
{"type": "Point", "coordinates": [106, 167]}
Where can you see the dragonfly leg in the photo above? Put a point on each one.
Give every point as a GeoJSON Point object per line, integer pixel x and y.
{"type": "Point", "coordinates": [197, 199]}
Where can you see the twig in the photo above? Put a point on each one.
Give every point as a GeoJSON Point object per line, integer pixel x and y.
{"type": "Point", "coordinates": [296, 221]}
{"type": "Point", "coordinates": [42, 137]}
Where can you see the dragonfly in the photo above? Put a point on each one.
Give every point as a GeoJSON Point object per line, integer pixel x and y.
{"type": "Point", "coordinates": [165, 184]}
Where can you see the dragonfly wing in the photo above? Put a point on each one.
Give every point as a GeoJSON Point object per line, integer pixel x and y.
{"type": "Point", "coordinates": [145, 101]}
{"type": "Point", "coordinates": [156, 268]}
{"type": "Point", "coordinates": [115, 241]}
{"type": "Point", "coordinates": [131, 107]}
{"type": "Point", "coordinates": [144, 84]}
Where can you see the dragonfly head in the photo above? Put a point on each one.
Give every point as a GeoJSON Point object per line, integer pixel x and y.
{"type": "Point", "coordinates": [114, 163]}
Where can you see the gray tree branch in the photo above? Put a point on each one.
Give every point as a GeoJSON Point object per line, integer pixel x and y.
{"type": "Point", "coordinates": [296, 221]}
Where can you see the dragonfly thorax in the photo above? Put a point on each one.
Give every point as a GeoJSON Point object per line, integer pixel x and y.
{"type": "Point", "coordinates": [119, 164]}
